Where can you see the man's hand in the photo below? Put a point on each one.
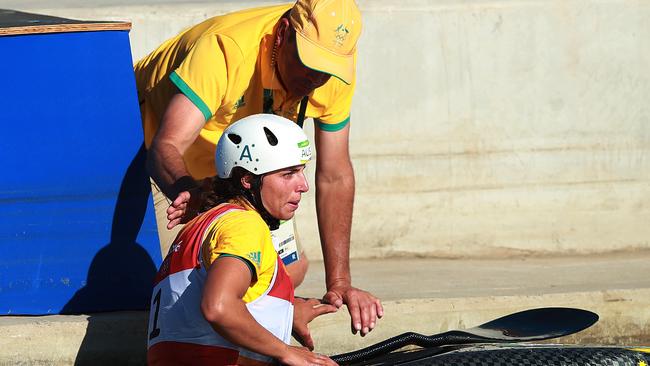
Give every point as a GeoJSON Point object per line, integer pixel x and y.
{"type": "Point", "coordinates": [364, 308]}
{"type": "Point", "coordinates": [184, 208]}
{"type": "Point", "coordinates": [306, 310]}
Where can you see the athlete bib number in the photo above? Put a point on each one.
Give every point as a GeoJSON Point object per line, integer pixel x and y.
{"type": "Point", "coordinates": [153, 322]}
{"type": "Point", "coordinates": [284, 241]}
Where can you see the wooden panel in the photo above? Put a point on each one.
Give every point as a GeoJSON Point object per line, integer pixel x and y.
{"type": "Point", "coordinates": [16, 22]}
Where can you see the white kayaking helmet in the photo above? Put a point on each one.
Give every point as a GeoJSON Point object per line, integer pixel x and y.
{"type": "Point", "coordinates": [261, 143]}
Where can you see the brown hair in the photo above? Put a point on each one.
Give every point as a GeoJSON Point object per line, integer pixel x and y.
{"type": "Point", "coordinates": [223, 190]}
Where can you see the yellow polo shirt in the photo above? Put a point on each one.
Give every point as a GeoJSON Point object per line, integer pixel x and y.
{"type": "Point", "coordinates": [223, 66]}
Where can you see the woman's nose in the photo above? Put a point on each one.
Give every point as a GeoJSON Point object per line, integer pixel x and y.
{"type": "Point", "coordinates": [303, 185]}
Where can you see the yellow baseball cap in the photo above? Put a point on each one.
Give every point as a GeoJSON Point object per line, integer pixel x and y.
{"type": "Point", "coordinates": [326, 34]}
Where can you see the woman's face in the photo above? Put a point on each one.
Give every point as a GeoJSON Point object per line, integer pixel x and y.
{"type": "Point", "coordinates": [281, 191]}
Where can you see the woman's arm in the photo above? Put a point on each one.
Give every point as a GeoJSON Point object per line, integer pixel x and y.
{"type": "Point", "coordinates": [223, 307]}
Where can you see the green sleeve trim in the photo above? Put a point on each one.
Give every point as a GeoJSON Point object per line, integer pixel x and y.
{"type": "Point", "coordinates": [185, 89]}
{"type": "Point", "coordinates": [248, 263]}
{"type": "Point", "coordinates": [332, 127]}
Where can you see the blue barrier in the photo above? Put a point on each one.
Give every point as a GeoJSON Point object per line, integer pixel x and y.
{"type": "Point", "coordinates": [77, 226]}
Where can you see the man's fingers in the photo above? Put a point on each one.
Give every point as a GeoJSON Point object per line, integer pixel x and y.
{"type": "Point", "coordinates": [179, 203]}
{"type": "Point", "coordinates": [365, 310]}
{"type": "Point", "coordinates": [333, 298]}
{"type": "Point", "coordinates": [366, 318]}
{"type": "Point", "coordinates": [184, 196]}
{"type": "Point", "coordinates": [182, 209]}
{"type": "Point", "coordinates": [355, 315]}
{"type": "Point", "coordinates": [370, 309]}
{"type": "Point", "coordinates": [176, 210]}
{"type": "Point", "coordinates": [373, 316]}
{"type": "Point", "coordinates": [173, 223]}
{"type": "Point", "coordinates": [176, 214]}
{"type": "Point", "coordinates": [380, 308]}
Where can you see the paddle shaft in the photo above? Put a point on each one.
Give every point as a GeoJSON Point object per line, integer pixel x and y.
{"type": "Point", "coordinates": [415, 339]}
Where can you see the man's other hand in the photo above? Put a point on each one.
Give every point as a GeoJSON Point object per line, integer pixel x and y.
{"type": "Point", "coordinates": [184, 208]}
{"type": "Point", "coordinates": [365, 309]}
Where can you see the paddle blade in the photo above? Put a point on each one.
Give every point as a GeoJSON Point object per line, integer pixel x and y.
{"type": "Point", "coordinates": [536, 324]}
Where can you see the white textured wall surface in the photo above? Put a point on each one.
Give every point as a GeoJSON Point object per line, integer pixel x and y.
{"type": "Point", "coordinates": [480, 128]}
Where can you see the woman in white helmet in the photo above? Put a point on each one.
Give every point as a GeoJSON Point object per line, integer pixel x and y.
{"type": "Point", "coordinates": [222, 295]}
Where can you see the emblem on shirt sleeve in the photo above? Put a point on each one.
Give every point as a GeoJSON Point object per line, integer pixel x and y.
{"type": "Point", "coordinates": [255, 257]}
{"type": "Point", "coordinates": [240, 103]}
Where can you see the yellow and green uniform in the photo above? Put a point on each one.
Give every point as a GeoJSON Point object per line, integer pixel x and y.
{"type": "Point", "coordinates": [223, 66]}
{"type": "Point", "coordinates": [178, 331]}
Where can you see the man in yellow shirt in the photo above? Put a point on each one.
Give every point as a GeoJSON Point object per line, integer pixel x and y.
{"type": "Point", "coordinates": [276, 59]}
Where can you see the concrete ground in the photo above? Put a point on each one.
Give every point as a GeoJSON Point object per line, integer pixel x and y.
{"type": "Point", "coordinates": [423, 295]}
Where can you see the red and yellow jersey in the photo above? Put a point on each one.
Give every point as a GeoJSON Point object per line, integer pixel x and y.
{"type": "Point", "coordinates": [178, 332]}
{"type": "Point", "coordinates": [223, 66]}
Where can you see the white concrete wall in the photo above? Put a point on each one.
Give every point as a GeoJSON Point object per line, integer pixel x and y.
{"type": "Point", "coordinates": [482, 128]}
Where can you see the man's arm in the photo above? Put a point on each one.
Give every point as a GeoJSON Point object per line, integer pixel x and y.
{"type": "Point", "coordinates": [334, 202]}
{"type": "Point", "coordinates": [179, 127]}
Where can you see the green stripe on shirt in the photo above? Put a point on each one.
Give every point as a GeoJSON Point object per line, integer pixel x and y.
{"type": "Point", "coordinates": [189, 93]}
{"type": "Point", "coordinates": [248, 263]}
{"type": "Point", "coordinates": [332, 127]}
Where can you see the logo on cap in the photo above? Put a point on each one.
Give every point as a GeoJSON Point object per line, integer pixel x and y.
{"type": "Point", "coordinates": [340, 34]}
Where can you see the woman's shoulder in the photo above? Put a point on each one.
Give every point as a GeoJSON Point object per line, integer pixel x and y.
{"type": "Point", "coordinates": [235, 215]}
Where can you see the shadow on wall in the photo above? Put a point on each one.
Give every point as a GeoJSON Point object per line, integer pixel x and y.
{"type": "Point", "coordinates": [120, 277]}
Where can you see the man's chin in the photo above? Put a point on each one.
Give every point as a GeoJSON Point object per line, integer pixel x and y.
{"type": "Point", "coordinates": [300, 92]}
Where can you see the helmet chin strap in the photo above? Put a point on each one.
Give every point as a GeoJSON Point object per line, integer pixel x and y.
{"type": "Point", "coordinates": [254, 195]}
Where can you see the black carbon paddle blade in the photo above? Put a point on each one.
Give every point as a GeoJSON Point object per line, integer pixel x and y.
{"type": "Point", "coordinates": [535, 325]}
{"type": "Point", "coordinates": [528, 325]}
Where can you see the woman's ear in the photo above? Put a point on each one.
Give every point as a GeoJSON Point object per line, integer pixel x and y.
{"type": "Point", "coordinates": [246, 181]}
